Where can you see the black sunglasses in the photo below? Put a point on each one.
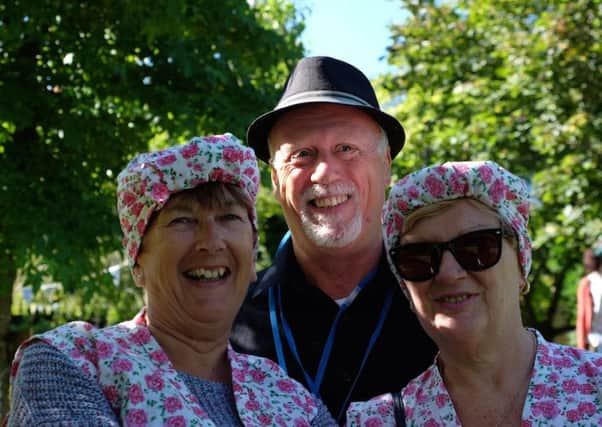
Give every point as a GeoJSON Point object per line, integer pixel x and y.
{"type": "Point", "coordinates": [474, 251]}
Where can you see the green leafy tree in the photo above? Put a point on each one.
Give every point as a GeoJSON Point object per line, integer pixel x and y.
{"type": "Point", "coordinates": [517, 82]}
{"type": "Point", "coordinates": [84, 85]}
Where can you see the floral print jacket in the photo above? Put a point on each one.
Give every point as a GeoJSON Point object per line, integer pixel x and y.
{"type": "Point", "coordinates": [143, 387]}
{"type": "Point", "coordinates": [565, 389]}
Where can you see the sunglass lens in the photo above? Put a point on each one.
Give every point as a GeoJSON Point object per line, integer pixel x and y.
{"type": "Point", "coordinates": [416, 262]}
{"type": "Point", "coordinates": [479, 250]}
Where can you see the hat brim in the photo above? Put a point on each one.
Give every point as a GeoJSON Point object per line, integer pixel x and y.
{"type": "Point", "coordinates": [259, 129]}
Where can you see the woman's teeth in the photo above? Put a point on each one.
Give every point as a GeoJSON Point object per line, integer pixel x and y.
{"type": "Point", "coordinates": [207, 273]}
{"type": "Point", "coordinates": [454, 299]}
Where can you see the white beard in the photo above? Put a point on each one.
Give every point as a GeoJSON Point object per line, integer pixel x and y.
{"type": "Point", "coordinates": [330, 233]}
{"type": "Point", "coordinates": [328, 230]}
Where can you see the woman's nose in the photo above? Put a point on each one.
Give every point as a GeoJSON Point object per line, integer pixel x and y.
{"type": "Point", "coordinates": [209, 236]}
{"type": "Point", "coordinates": [450, 268]}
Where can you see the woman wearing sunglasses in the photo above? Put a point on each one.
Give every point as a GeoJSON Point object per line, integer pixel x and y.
{"type": "Point", "coordinates": [457, 240]}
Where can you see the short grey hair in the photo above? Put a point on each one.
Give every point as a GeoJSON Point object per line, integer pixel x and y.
{"type": "Point", "coordinates": [383, 141]}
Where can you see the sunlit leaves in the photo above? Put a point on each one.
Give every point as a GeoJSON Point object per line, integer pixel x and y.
{"type": "Point", "coordinates": [85, 85]}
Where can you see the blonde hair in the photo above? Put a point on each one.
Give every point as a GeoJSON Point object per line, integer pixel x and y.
{"type": "Point", "coordinates": [435, 209]}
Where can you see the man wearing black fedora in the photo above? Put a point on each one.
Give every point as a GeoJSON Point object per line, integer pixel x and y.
{"type": "Point", "coordinates": [329, 310]}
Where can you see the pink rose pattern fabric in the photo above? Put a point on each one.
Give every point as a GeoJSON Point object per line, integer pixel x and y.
{"type": "Point", "coordinates": [144, 389]}
{"type": "Point", "coordinates": [485, 181]}
{"type": "Point", "coordinates": [148, 181]}
{"type": "Point", "coordinates": [565, 389]}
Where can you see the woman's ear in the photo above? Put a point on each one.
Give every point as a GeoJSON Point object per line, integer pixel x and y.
{"type": "Point", "coordinates": [406, 293]}
{"type": "Point", "coordinates": [138, 275]}
{"type": "Point", "coordinates": [412, 306]}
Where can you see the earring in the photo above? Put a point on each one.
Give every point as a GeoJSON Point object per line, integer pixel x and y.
{"type": "Point", "coordinates": [526, 288]}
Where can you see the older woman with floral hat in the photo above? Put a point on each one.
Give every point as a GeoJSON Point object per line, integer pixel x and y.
{"type": "Point", "coordinates": [457, 240]}
{"type": "Point", "coordinates": [189, 224]}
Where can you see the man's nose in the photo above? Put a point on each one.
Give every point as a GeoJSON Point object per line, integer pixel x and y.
{"type": "Point", "coordinates": [326, 170]}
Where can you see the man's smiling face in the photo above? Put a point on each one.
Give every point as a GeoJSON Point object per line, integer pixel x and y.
{"type": "Point", "coordinates": [330, 167]}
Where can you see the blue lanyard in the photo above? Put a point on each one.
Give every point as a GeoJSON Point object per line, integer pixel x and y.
{"type": "Point", "coordinates": [373, 338]}
{"type": "Point", "coordinates": [277, 316]}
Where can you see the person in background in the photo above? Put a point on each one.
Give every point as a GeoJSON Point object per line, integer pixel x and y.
{"type": "Point", "coordinates": [589, 301]}
{"type": "Point", "coordinates": [189, 223]}
{"type": "Point", "coordinates": [329, 310]}
{"type": "Point", "coordinates": [589, 261]}
{"type": "Point", "coordinates": [457, 240]}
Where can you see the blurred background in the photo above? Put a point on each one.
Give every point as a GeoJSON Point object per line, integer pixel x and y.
{"type": "Point", "coordinates": [85, 85]}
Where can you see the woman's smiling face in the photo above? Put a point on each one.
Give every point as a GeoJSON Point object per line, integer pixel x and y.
{"type": "Point", "coordinates": [197, 258]}
{"type": "Point", "coordinates": [457, 302]}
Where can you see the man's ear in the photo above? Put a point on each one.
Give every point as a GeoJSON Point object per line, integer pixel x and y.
{"type": "Point", "coordinates": [387, 161]}
{"type": "Point", "coordinates": [275, 182]}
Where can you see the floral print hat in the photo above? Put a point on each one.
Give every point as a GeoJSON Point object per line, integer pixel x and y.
{"type": "Point", "coordinates": [148, 181]}
{"type": "Point", "coordinates": [485, 181]}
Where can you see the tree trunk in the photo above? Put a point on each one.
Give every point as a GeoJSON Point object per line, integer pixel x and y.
{"type": "Point", "coordinates": [8, 274]}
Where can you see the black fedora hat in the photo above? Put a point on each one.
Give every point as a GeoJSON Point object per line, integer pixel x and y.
{"type": "Point", "coordinates": [322, 79]}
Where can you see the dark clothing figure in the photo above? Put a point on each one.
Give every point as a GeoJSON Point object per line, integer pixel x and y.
{"type": "Point", "coordinates": [329, 311]}
{"type": "Point", "coordinates": [400, 351]}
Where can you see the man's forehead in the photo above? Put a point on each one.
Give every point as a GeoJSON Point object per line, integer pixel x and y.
{"type": "Point", "coordinates": [295, 126]}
